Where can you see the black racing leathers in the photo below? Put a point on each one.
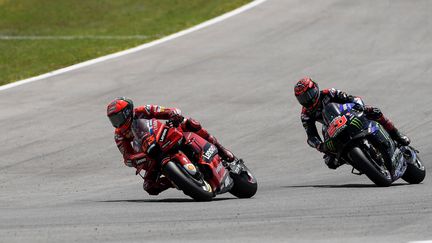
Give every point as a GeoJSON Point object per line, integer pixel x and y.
{"type": "Point", "coordinates": [309, 118]}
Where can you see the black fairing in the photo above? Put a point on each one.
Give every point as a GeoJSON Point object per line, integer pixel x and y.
{"type": "Point", "coordinates": [355, 130]}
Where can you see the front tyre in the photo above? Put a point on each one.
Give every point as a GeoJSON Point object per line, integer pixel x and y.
{"type": "Point", "coordinates": [198, 189]}
{"type": "Point", "coordinates": [378, 175]}
{"type": "Point", "coordinates": [245, 184]}
{"type": "Point", "coordinates": [415, 172]}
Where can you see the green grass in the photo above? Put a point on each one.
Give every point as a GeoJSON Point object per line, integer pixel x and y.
{"type": "Point", "coordinates": [148, 19]}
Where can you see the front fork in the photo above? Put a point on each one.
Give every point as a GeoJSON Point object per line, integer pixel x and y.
{"type": "Point", "coordinates": [238, 167]}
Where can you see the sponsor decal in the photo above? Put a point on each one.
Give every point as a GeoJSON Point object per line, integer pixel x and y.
{"type": "Point", "coordinates": [147, 108]}
{"type": "Point", "coordinates": [160, 109]}
{"type": "Point", "coordinates": [330, 145]}
{"type": "Point", "coordinates": [384, 133]}
{"type": "Point", "coordinates": [155, 125]}
{"type": "Point", "coordinates": [237, 169]}
{"type": "Point", "coordinates": [210, 152]}
{"type": "Point", "coordinates": [164, 133]}
{"type": "Point", "coordinates": [357, 123]}
{"type": "Point", "coordinates": [166, 145]}
{"type": "Point", "coordinates": [219, 167]}
{"type": "Point", "coordinates": [191, 168]}
{"type": "Point", "coordinates": [227, 180]}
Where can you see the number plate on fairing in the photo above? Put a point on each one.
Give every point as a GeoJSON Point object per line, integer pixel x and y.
{"type": "Point", "coordinates": [336, 125]}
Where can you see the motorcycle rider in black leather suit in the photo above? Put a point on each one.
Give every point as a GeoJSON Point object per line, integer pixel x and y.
{"type": "Point", "coordinates": [313, 100]}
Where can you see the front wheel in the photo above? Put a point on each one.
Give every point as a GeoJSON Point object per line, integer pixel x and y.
{"type": "Point", "coordinates": [377, 174]}
{"type": "Point", "coordinates": [198, 189]}
{"type": "Point", "coordinates": [415, 172]}
{"type": "Point", "coordinates": [245, 184]}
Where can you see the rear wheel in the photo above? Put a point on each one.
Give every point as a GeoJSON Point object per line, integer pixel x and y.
{"type": "Point", "coordinates": [415, 172]}
{"type": "Point", "coordinates": [198, 189]}
{"type": "Point", "coordinates": [376, 173]}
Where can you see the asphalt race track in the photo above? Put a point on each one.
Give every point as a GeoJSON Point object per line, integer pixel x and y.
{"type": "Point", "coordinates": [63, 180]}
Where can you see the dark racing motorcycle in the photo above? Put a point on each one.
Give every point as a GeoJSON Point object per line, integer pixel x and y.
{"type": "Point", "coordinates": [366, 145]}
{"type": "Point", "coordinates": [191, 163]}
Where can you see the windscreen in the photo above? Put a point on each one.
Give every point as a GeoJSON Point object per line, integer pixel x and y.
{"type": "Point", "coordinates": [141, 128]}
{"type": "Point", "coordinates": [333, 110]}
{"type": "Point", "coordinates": [330, 112]}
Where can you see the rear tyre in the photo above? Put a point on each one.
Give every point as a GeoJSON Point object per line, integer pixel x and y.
{"type": "Point", "coordinates": [415, 172]}
{"type": "Point", "coordinates": [364, 165]}
{"type": "Point", "coordinates": [199, 190]}
{"type": "Point", "coordinates": [245, 184]}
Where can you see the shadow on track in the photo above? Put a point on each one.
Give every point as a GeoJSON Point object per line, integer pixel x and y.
{"type": "Point", "coordinates": [165, 200]}
{"type": "Point", "coordinates": [343, 186]}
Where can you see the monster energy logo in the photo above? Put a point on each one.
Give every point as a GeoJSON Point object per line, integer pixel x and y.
{"type": "Point", "coordinates": [330, 145]}
{"type": "Point", "coordinates": [357, 123]}
{"type": "Point", "coordinates": [383, 132]}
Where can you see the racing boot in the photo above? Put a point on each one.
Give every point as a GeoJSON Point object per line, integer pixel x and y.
{"type": "Point", "coordinates": [193, 125]}
{"type": "Point", "coordinates": [154, 185]}
{"type": "Point", "coordinates": [399, 138]}
{"type": "Point", "coordinates": [224, 153]}
{"type": "Point", "coordinates": [388, 125]}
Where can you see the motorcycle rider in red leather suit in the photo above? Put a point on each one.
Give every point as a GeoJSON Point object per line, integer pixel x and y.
{"type": "Point", "coordinates": [121, 112]}
{"type": "Point", "coordinates": [313, 100]}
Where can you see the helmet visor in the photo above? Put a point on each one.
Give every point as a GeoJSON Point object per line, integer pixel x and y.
{"type": "Point", "coordinates": [117, 119]}
{"type": "Point", "coordinates": [308, 98]}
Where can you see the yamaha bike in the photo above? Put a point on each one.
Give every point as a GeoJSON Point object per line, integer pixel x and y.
{"type": "Point", "coordinates": [366, 145]}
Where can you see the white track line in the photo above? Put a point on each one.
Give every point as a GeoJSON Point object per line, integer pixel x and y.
{"type": "Point", "coordinates": [76, 37]}
{"type": "Point", "coordinates": [138, 48]}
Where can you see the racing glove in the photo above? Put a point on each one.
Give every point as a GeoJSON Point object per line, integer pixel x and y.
{"type": "Point", "coordinates": [176, 117]}
{"type": "Point", "coordinates": [358, 107]}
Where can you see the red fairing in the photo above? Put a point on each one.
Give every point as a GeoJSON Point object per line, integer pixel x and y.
{"type": "Point", "coordinates": [166, 137]}
{"type": "Point", "coordinates": [209, 157]}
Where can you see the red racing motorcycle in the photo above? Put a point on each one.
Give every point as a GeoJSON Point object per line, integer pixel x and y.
{"type": "Point", "coordinates": [191, 163]}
